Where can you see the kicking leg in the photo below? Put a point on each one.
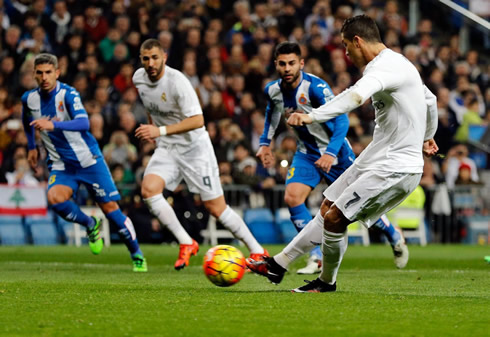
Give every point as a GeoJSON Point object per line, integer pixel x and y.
{"type": "Point", "coordinates": [295, 196]}
{"type": "Point", "coordinates": [333, 247]}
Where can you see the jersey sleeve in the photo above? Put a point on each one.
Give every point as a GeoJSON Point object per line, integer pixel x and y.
{"type": "Point", "coordinates": [26, 120]}
{"type": "Point", "coordinates": [272, 119]}
{"type": "Point", "coordinates": [74, 104]}
{"type": "Point", "coordinates": [347, 100]}
{"type": "Point", "coordinates": [320, 93]}
{"type": "Point", "coordinates": [187, 97]}
{"type": "Point", "coordinates": [432, 114]}
{"type": "Point", "coordinates": [340, 127]}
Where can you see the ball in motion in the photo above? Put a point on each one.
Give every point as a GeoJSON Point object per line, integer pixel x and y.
{"type": "Point", "coordinates": [224, 265]}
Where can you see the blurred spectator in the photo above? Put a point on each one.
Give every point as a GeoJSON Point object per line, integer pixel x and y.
{"type": "Point", "coordinates": [457, 156]}
{"type": "Point", "coordinates": [465, 176]}
{"type": "Point", "coordinates": [447, 121]}
{"type": "Point", "coordinates": [225, 173]}
{"type": "Point", "coordinates": [96, 25]}
{"type": "Point", "coordinates": [457, 98]}
{"type": "Point", "coordinates": [119, 150]}
{"type": "Point", "coordinates": [233, 94]}
{"type": "Point", "coordinates": [470, 118]}
{"type": "Point", "coordinates": [97, 129]}
{"type": "Point", "coordinates": [123, 79]}
{"type": "Point", "coordinates": [10, 43]}
{"type": "Point", "coordinates": [108, 44]}
{"type": "Point", "coordinates": [22, 175]}
{"type": "Point", "coordinates": [190, 71]}
{"type": "Point", "coordinates": [127, 123]}
{"type": "Point", "coordinates": [204, 89]}
{"type": "Point", "coordinates": [60, 23]}
{"type": "Point", "coordinates": [322, 17]}
{"type": "Point", "coordinates": [124, 180]}
{"type": "Point", "coordinates": [215, 110]}
{"type": "Point", "coordinates": [261, 16]}
{"type": "Point", "coordinates": [130, 97]}
{"type": "Point", "coordinates": [257, 120]}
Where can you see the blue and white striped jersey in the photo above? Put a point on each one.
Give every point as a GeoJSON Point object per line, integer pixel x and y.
{"type": "Point", "coordinates": [317, 138]}
{"type": "Point", "coordinates": [71, 148]}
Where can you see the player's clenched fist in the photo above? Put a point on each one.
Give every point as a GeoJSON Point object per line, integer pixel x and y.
{"type": "Point", "coordinates": [266, 157]}
{"type": "Point", "coordinates": [299, 119]}
{"type": "Point", "coordinates": [147, 132]}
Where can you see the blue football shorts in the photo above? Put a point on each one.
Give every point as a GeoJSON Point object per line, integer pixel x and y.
{"type": "Point", "coordinates": [96, 178]}
{"type": "Point", "coordinates": [304, 171]}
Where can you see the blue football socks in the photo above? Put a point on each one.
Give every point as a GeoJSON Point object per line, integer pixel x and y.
{"type": "Point", "coordinates": [388, 229]}
{"type": "Point", "coordinates": [70, 211]}
{"type": "Point", "coordinates": [300, 216]}
{"type": "Point", "coordinates": [126, 231]}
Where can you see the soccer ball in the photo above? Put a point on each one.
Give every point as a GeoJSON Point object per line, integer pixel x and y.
{"type": "Point", "coordinates": [224, 265]}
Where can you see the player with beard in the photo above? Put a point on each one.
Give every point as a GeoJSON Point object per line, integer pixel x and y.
{"type": "Point", "coordinates": [184, 151]}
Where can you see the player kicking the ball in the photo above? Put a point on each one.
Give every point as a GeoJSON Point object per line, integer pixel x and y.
{"type": "Point", "coordinates": [323, 151]}
{"type": "Point", "coordinates": [184, 151]}
{"type": "Point", "coordinates": [386, 172]}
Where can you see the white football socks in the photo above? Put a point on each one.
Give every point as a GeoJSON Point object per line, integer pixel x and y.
{"type": "Point", "coordinates": [303, 242]}
{"type": "Point", "coordinates": [235, 224]}
{"type": "Point", "coordinates": [333, 249]}
{"type": "Point", "coordinates": [165, 214]}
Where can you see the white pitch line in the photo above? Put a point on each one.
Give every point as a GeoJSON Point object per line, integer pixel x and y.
{"type": "Point", "coordinates": [67, 264]}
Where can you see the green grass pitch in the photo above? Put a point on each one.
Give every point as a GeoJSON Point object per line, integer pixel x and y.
{"type": "Point", "coordinates": [66, 291]}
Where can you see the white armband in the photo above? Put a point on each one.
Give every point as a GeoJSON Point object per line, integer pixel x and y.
{"type": "Point", "coordinates": [163, 130]}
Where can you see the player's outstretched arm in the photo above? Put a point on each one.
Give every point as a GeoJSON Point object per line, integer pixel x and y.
{"type": "Point", "coordinates": [348, 100]}
{"type": "Point", "coordinates": [266, 156]}
{"type": "Point", "coordinates": [299, 119]}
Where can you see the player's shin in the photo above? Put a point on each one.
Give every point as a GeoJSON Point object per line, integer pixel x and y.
{"type": "Point", "coordinates": [126, 231]}
{"type": "Point", "coordinates": [235, 224]}
{"type": "Point", "coordinates": [388, 229]}
{"type": "Point", "coordinates": [70, 211]}
{"type": "Point", "coordinates": [300, 216]}
{"type": "Point", "coordinates": [333, 247]}
{"type": "Point", "coordinates": [309, 237]}
{"type": "Point", "coordinates": [165, 214]}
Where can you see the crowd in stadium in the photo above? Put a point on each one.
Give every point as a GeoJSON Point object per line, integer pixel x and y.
{"type": "Point", "coordinates": [225, 48]}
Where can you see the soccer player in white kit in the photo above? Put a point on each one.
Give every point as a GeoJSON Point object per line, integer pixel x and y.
{"type": "Point", "coordinates": [184, 151]}
{"type": "Point", "coordinates": [389, 169]}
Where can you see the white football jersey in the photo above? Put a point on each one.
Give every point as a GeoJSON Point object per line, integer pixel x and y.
{"type": "Point", "coordinates": [170, 100]}
{"type": "Point", "coordinates": [399, 99]}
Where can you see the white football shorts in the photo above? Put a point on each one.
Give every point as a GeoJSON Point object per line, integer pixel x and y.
{"type": "Point", "coordinates": [366, 195]}
{"type": "Point", "coordinates": [197, 165]}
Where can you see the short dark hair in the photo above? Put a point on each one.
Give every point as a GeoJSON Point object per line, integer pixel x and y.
{"type": "Point", "coordinates": [151, 43]}
{"type": "Point", "coordinates": [287, 48]}
{"type": "Point", "coordinates": [362, 26]}
{"type": "Point", "coordinates": [46, 58]}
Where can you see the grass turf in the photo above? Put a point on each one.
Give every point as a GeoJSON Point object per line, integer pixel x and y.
{"type": "Point", "coordinates": [66, 291]}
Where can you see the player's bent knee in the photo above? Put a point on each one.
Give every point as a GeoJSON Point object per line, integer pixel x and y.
{"type": "Point", "coordinates": [292, 200]}
{"type": "Point", "coordinates": [58, 195]}
{"type": "Point", "coordinates": [149, 190]}
{"type": "Point", "coordinates": [152, 185]}
{"type": "Point", "coordinates": [216, 207]}
{"type": "Point", "coordinates": [335, 221]}
{"type": "Point", "coordinates": [325, 207]}
{"type": "Point", "coordinates": [109, 207]}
